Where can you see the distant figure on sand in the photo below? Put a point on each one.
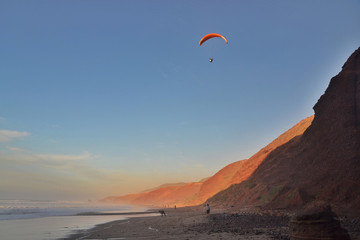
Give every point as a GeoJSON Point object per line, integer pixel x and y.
{"type": "Point", "coordinates": [207, 208]}
{"type": "Point", "coordinates": [162, 212]}
{"type": "Point", "coordinates": [175, 206]}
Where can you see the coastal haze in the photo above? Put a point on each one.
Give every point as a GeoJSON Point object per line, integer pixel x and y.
{"type": "Point", "coordinates": [112, 98]}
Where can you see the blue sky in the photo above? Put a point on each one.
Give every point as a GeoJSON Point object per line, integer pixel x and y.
{"type": "Point", "coordinates": [105, 98]}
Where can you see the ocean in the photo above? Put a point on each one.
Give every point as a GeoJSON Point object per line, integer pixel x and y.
{"type": "Point", "coordinates": [50, 220]}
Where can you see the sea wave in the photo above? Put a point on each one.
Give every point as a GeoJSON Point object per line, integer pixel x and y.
{"type": "Point", "coordinates": [24, 209]}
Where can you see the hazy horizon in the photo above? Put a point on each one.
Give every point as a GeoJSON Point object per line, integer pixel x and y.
{"type": "Point", "coordinates": [104, 98]}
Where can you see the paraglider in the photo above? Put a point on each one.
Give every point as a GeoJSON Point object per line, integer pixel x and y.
{"type": "Point", "coordinates": [210, 36]}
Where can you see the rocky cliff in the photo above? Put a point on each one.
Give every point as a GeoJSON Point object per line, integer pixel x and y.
{"type": "Point", "coordinates": [321, 165]}
{"type": "Point", "coordinates": [196, 193]}
{"type": "Point", "coordinates": [182, 195]}
{"type": "Point", "coordinates": [317, 160]}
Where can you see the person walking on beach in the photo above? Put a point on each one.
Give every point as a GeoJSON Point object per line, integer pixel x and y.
{"type": "Point", "coordinates": [207, 208]}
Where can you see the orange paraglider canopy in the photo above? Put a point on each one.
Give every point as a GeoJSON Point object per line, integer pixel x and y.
{"type": "Point", "coordinates": [211, 35]}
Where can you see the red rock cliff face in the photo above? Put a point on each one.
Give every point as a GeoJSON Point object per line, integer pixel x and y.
{"type": "Point", "coordinates": [250, 165]}
{"type": "Point", "coordinates": [164, 196]}
{"type": "Point", "coordinates": [220, 181]}
{"type": "Point", "coordinates": [196, 193]}
{"type": "Point", "coordinates": [321, 165]}
{"type": "Point", "coordinates": [184, 195]}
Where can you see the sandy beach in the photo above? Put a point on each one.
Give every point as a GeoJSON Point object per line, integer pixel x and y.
{"type": "Point", "coordinates": [192, 223]}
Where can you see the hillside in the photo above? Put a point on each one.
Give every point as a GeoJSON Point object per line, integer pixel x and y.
{"type": "Point", "coordinates": [165, 185]}
{"type": "Point", "coordinates": [242, 170]}
{"type": "Point", "coordinates": [163, 196]}
{"type": "Point", "coordinates": [180, 195]}
{"type": "Point", "coordinates": [322, 165]}
{"type": "Point", "coordinates": [196, 193]}
{"type": "Point", "coordinates": [317, 160]}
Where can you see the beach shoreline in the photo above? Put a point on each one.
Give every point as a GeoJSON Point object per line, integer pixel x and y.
{"type": "Point", "coordinates": [190, 223]}
{"type": "Point", "coordinates": [194, 223]}
{"type": "Point", "coordinates": [57, 219]}
{"type": "Point", "coordinates": [124, 217]}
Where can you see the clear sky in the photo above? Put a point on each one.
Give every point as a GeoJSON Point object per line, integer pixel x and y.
{"type": "Point", "coordinates": [103, 98]}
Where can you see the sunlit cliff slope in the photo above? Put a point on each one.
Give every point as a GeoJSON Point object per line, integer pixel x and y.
{"type": "Point", "coordinates": [316, 160]}
{"type": "Point", "coordinates": [322, 165]}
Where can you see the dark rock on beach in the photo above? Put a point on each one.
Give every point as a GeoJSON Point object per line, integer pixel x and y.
{"type": "Point", "coordinates": [248, 224]}
{"type": "Point", "coordinates": [317, 223]}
